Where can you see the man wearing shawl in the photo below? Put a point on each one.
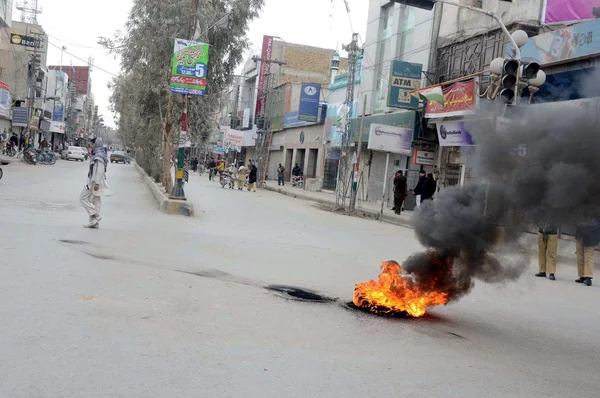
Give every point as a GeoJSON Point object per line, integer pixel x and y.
{"type": "Point", "coordinates": [90, 197]}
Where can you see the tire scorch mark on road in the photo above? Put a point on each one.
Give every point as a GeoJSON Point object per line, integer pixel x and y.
{"type": "Point", "coordinates": [74, 242]}
{"type": "Point", "coordinates": [298, 293]}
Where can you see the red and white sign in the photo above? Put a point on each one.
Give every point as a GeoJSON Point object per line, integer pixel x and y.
{"type": "Point", "coordinates": [459, 99]}
{"type": "Point", "coordinates": [426, 158]}
{"type": "Point", "coordinates": [263, 79]}
{"type": "Point", "coordinates": [188, 80]}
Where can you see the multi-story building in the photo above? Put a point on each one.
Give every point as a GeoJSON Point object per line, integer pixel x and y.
{"type": "Point", "coordinates": [6, 13]}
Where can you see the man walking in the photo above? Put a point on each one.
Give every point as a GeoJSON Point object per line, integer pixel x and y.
{"type": "Point", "coordinates": [280, 171]}
{"type": "Point", "coordinates": [588, 237]}
{"type": "Point", "coordinates": [3, 142]}
{"type": "Point", "coordinates": [548, 247]}
{"type": "Point", "coordinates": [418, 191]}
{"type": "Point", "coordinates": [400, 190]}
{"type": "Point", "coordinates": [242, 176]}
{"type": "Point", "coordinates": [252, 177]}
{"type": "Point", "coordinates": [90, 196]}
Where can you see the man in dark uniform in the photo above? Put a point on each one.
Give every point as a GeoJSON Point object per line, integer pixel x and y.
{"type": "Point", "coordinates": [400, 190]}
{"type": "Point", "coordinates": [588, 237]}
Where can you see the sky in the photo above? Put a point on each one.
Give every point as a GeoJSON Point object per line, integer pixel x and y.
{"type": "Point", "coordinates": [77, 24]}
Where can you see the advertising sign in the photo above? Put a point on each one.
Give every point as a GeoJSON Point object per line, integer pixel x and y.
{"type": "Point", "coordinates": [309, 102]}
{"type": "Point", "coordinates": [335, 122]}
{"type": "Point", "coordinates": [218, 148]}
{"type": "Point", "coordinates": [459, 99]}
{"type": "Point", "coordinates": [45, 125]}
{"type": "Point", "coordinates": [404, 78]}
{"type": "Point", "coordinates": [5, 101]}
{"type": "Point", "coordinates": [59, 110]}
{"type": "Point", "coordinates": [452, 133]}
{"type": "Point", "coordinates": [426, 158]}
{"type": "Point", "coordinates": [263, 79]}
{"type": "Point", "coordinates": [334, 153]}
{"type": "Point", "coordinates": [188, 67]}
{"type": "Point", "coordinates": [571, 10]}
{"type": "Point", "coordinates": [57, 127]}
{"type": "Point", "coordinates": [19, 117]}
{"type": "Point", "coordinates": [233, 141]}
{"type": "Point", "coordinates": [390, 139]}
{"type": "Point", "coordinates": [246, 118]}
{"type": "Point", "coordinates": [21, 40]}
{"type": "Point", "coordinates": [562, 44]}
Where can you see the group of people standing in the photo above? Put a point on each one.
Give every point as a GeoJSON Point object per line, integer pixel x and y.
{"type": "Point", "coordinates": [241, 174]}
{"type": "Point", "coordinates": [424, 190]}
{"type": "Point", "coordinates": [587, 238]}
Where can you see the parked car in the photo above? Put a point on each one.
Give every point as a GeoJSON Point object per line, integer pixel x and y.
{"type": "Point", "coordinates": [119, 156]}
{"type": "Point", "coordinates": [74, 153]}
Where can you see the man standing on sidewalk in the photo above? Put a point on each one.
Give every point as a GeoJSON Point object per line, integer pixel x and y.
{"type": "Point", "coordinates": [400, 190]}
{"type": "Point", "coordinates": [418, 191]}
{"type": "Point", "coordinates": [90, 196]}
{"type": "Point", "coordinates": [548, 247]}
{"type": "Point", "coordinates": [280, 171]}
{"type": "Point", "coordinates": [3, 142]}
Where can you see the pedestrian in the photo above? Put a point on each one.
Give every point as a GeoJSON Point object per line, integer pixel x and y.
{"type": "Point", "coordinates": [252, 177]}
{"type": "Point", "coordinates": [90, 196]}
{"type": "Point", "coordinates": [548, 247]}
{"type": "Point", "coordinates": [588, 237]}
{"type": "Point", "coordinates": [400, 191]}
{"type": "Point", "coordinates": [44, 144]}
{"type": "Point", "coordinates": [241, 177]}
{"type": "Point", "coordinates": [296, 171]}
{"type": "Point", "coordinates": [194, 164]}
{"type": "Point", "coordinates": [232, 171]}
{"type": "Point", "coordinates": [14, 141]}
{"type": "Point", "coordinates": [22, 142]}
{"type": "Point", "coordinates": [419, 188]}
{"type": "Point", "coordinates": [429, 188]}
{"type": "Point", "coordinates": [280, 171]}
{"type": "Point", "coordinates": [3, 142]}
{"type": "Point", "coordinates": [212, 169]}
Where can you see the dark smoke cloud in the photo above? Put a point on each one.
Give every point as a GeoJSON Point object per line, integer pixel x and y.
{"type": "Point", "coordinates": [542, 164]}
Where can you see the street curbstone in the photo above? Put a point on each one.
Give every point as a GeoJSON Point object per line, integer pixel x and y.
{"type": "Point", "coordinates": [165, 205]}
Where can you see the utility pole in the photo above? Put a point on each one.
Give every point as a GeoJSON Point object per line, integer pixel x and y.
{"type": "Point", "coordinates": [358, 151]}
{"type": "Point", "coordinates": [343, 169]}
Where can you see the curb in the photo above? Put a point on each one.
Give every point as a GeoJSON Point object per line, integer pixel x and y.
{"type": "Point", "coordinates": [165, 205]}
{"type": "Point", "coordinates": [362, 213]}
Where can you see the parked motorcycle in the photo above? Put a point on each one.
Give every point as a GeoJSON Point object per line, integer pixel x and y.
{"type": "Point", "coordinates": [298, 181]}
{"type": "Point", "coordinates": [30, 156]}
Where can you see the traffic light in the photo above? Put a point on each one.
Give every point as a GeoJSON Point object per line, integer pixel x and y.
{"type": "Point", "coordinates": [529, 70]}
{"type": "Point", "coordinates": [508, 80]}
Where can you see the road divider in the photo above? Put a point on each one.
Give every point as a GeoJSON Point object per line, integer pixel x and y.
{"type": "Point", "coordinates": [165, 205]}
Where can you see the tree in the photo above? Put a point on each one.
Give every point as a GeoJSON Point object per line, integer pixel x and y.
{"type": "Point", "coordinates": [147, 112]}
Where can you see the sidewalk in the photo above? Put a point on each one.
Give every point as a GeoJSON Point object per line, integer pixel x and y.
{"type": "Point", "coordinates": [566, 250]}
{"type": "Point", "coordinates": [363, 209]}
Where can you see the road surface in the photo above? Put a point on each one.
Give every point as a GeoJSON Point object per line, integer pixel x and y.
{"type": "Point", "coordinates": [152, 305]}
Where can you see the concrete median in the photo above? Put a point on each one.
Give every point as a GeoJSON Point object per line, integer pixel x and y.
{"type": "Point", "coordinates": [165, 205]}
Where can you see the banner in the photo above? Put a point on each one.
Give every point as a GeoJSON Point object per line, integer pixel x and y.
{"type": "Point", "coordinates": [58, 112]}
{"type": "Point", "coordinates": [263, 79]}
{"type": "Point", "coordinates": [218, 148]}
{"type": "Point", "coordinates": [5, 101]}
{"type": "Point", "coordinates": [425, 158]}
{"type": "Point", "coordinates": [19, 117]}
{"type": "Point", "coordinates": [20, 40]}
{"type": "Point", "coordinates": [57, 127]}
{"type": "Point", "coordinates": [390, 139]}
{"type": "Point", "coordinates": [562, 44]}
{"type": "Point", "coordinates": [452, 133]}
{"type": "Point", "coordinates": [571, 10]}
{"type": "Point", "coordinates": [246, 118]}
{"type": "Point", "coordinates": [459, 99]}
{"type": "Point", "coordinates": [188, 67]}
{"type": "Point", "coordinates": [309, 102]}
{"type": "Point", "coordinates": [233, 141]}
{"type": "Point", "coordinates": [404, 78]}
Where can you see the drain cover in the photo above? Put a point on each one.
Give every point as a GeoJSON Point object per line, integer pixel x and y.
{"type": "Point", "coordinates": [298, 293]}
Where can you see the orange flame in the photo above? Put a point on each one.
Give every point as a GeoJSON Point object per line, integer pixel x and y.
{"type": "Point", "coordinates": [392, 293]}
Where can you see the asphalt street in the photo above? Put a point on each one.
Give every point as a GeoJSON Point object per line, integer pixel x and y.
{"type": "Point", "coordinates": [151, 305]}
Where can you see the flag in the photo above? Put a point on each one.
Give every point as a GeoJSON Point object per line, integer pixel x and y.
{"type": "Point", "coordinates": [347, 5]}
{"type": "Point", "coordinates": [73, 69]}
{"type": "Point", "coordinates": [434, 94]}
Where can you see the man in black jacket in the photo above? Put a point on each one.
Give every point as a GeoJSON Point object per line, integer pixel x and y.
{"type": "Point", "coordinates": [418, 191]}
{"type": "Point", "coordinates": [548, 247]}
{"type": "Point", "coordinates": [252, 177]}
{"type": "Point", "coordinates": [588, 237]}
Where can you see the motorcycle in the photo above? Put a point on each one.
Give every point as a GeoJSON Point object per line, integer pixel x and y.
{"type": "Point", "coordinates": [10, 150]}
{"type": "Point", "coordinates": [30, 156]}
{"type": "Point", "coordinates": [298, 181]}
{"type": "Point", "coordinates": [226, 179]}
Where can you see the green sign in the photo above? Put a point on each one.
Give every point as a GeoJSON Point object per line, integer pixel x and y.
{"type": "Point", "coordinates": [188, 68]}
{"type": "Point", "coordinates": [404, 78]}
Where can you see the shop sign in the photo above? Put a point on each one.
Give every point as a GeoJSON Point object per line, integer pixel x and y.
{"type": "Point", "coordinates": [404, 119]}
{"type": "Point", "coordinates": [5, 101]}
{"type": "Point", "coordinates": [570, 10]}
{"type": "Point", "coordinates": [459, 99]}
{"type": "Point", "coordinates": [218, 148]}
{"type": "Point", "coordinates": [334, 153]}
{"type": "Point", "coordinates": [309, 102]}
{"type": "Point", "coordinates": [453, 133]}
{"type": "Point", "coordinates": [45, 125]}
{"type": "Point", "coordinates": [188, 67]}
{"type": "Point", "coordinates": [263, 79]}
{"type": "Point", "coordinates": [20, 40]}
{"type": "Point", "coordinates": [390, 139]}
{"type": "Point", "coordinates": [57, 127]}
{"type": "Point", "coordinates": [573, 42]}
{"type": "Point", "coordinates": [404, 78]}
{"type": "Point", "coordinates": [425, 158]}
{"type": "Point", "coordinates": [34, 123]}
{"type": "Point", "coordinates": [233, 141]}
{"type": "Point", "coordinates": [19, 117]}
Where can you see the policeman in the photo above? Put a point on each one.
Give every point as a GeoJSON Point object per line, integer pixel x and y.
{"type": "Point", "coordinates": [548, 247]}
{"type": "Point", "coordinates": [588, 237]}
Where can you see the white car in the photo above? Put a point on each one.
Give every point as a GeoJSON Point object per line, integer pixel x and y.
{"type": "Point", "coordinates": [74, 153]}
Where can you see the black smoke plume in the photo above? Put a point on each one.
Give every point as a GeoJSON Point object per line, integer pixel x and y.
{"type": "Point", "coordinates": [533, 166]}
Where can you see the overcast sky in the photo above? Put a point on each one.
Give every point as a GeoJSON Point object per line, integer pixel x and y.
{"type": "Point", "coordinates": [77, 24]}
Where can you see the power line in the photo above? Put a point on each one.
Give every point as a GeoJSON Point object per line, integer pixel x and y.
{"type": "Point", "coordinates": [81, 59]}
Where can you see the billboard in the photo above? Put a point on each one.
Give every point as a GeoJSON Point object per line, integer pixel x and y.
{"type": "Point", "coordinates": [459, 99]}
{"type": "Point", "coordinates": [390, 139]}
{"type": "Point", "coordinates": [309, 102]}
{"type": "Point", "coordinates": [233, 141]}
{"type": "Point", "coordinates": [5, 101]}
{"type": "Point", "coordinates": [561, 11]}
{"type": "Point", "coordinates": [20, 40]}
{"type": "Point", "coordinates": [19, 117]}
{"type": "Point", "coordinates": [263, 79]}
{"type": "Point", "coordinates": [59, 110]}
{"type": "Point", "coordinates": [453, 133]}
{"type": "Point", "coordinates": [189, 66]}
{"type": "Point", "coordinates": [404, 78]}
{"type": "Point", "coordinates": [57, 127]}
